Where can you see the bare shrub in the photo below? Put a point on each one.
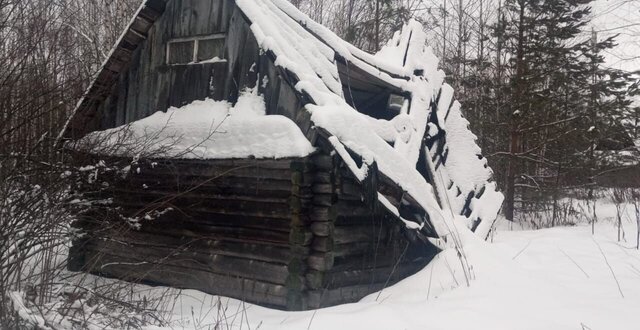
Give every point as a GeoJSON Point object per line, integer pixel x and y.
{"type": "Point", "coordinates": [37, 200]}
{"type": "Point", "coordinates": [544, 212]}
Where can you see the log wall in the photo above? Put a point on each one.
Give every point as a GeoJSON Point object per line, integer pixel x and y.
{"type": "Point", "coordinates": [231, 227]}
{"type": "Point", "coordinates": [357, 247]}
{"type": "Point", "coordinates": [291, 234]}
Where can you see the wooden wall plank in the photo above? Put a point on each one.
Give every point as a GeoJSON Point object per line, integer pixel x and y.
{"type": "Point", "coordinates": [132, 269]}
{"type": "Point", "coordinates": [148, 84]}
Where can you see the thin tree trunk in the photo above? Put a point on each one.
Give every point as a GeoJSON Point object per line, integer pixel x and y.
{"type": "Point", "coordinates": [511, 176]}
{"type": "Point", "coordinates": [619, 220]}
{"type": "Point", "coordinates": [637, 205]}
{"type": "Point", "coordinates": [444, 30]}
{"type": "Point", "coordinates": [377, 23]}
{"type": "Point", "coordinates": [518, 99]}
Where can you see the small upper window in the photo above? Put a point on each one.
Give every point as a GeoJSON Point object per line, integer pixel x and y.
{"type": "Point", "coordinates": [209, 49]}
{"type": "Point", "coordinates": [195, 50]}
{"type": "Point", "coordinates": [181, 52]}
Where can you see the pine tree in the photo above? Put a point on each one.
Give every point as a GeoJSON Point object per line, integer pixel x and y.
{"type": "Point", "coordinates": [561, 101]}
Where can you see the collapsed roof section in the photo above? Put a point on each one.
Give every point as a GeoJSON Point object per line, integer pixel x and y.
{"type": "Point", "coordinates": [456, 179]}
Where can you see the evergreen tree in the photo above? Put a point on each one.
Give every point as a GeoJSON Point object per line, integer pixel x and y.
{"type": "Point", "coordinates": [560, 101]}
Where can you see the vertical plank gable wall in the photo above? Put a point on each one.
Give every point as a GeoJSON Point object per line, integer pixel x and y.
{"type": "Point", "coordinates": [150, 85]}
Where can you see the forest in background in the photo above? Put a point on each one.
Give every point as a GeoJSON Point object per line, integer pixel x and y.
{"type": "Point", "coordinates": [552, 118]}
{"type": "Point", "coordinates": [550, 115]}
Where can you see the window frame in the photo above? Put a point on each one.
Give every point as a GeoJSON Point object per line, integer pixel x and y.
{"type": "Point", "coordinates": [196, 42]}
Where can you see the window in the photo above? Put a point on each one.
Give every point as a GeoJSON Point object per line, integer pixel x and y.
{"type": "Point", "coordinates": [209, 49]}
{"type": "Point", "coordinates": [181, 52]}
{"type": "Point", "coordinates": [195, 50]}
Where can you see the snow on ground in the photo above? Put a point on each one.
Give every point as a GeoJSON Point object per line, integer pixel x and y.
{"type": "Point", "coordinates": [526, 279]}
{"type": "Point", "coordinates": [207, 129]}
{"type": "Point", "coordinates": [545, 279]}
{"type": "Point", "coordinates": [558, 278]}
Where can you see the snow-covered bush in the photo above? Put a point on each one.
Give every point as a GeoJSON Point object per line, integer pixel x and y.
{"type": "Point", "coordinates": [33, 231]}
{"type": "Point", "coordinates": [39, 197]}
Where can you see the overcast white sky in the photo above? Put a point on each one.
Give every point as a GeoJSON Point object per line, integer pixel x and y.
{"type": "Point", "coordinates": [620, 17]}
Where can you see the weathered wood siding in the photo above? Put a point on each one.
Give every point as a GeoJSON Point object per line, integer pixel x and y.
{"type": "Point", "coordinates": [149, 84]}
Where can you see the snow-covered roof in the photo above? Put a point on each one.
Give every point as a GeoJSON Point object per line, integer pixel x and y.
{"type": "Point", "coordinates": [204, 129]}
{"type": "Point", "coordinates": [311, 53]}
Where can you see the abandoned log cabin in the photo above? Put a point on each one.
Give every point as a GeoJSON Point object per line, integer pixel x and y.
{"type": "Point", "coordinates": [241, 149]}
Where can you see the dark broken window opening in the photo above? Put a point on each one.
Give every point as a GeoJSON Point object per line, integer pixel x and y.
{"type": "Point", "coordinates": [379, 104]}
{"type": "Point", "coordinates": [369, 96]}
